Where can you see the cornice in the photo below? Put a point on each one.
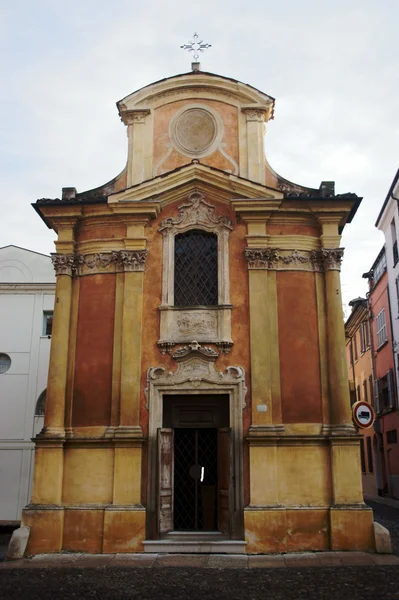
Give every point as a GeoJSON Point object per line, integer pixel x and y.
{"type": "Point", "coordinates": [176, 184]}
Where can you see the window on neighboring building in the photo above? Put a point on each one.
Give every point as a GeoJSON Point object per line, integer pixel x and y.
{"type": "Point", "coordinates": [358, 393]}
{"type": "Point", "coordinates": [371, 390]}
{"type": "Point", "coordinates": [351, 353]}
{"type": "Point", "coordinates": [365, 390]}
{"type": "Point", "coordinates": [385, 396]}
{"type": "Point", "coordinates": [364, 336]}
{"type": "Point", "coordinates": [381, 328]}
{"type": "Point", "coordinates": [379, 269]}
{"type": "Point", "coordinates": [355, 347]}
{"type": "Point", "coordinates": [41, 405]}
{"type": "Point", "coordinates": [392, 436]}
{"type": "Point", "coordinates": [196, 269]}
{"type": "Point", "coordinates": [394, 242]}
{"type": "Point", "coordinates": [397, 291]}
{"type": "Point", "coordinates": [369, 454]}
{"type": "Point", "coordinates": [5, 363]}
{"type": "Point", "coordinates": [47, 322]}
{"type": "Point", "coordinates": [362, 457]}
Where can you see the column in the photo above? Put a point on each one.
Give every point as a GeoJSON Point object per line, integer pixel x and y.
{"type": "Point", "coordinates": [132, 314]}
{"type": "Point", "coordinates": [139, 163]}
{"type": "Point", "coordinates": [54, 420]}
{"type": "Point", "coordinates": [338, 371]}
{"type": "Point", "coordinates": [255, 117]}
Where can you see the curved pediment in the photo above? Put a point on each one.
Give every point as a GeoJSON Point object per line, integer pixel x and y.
{"type": "Point", "coordinates": [195, 84]}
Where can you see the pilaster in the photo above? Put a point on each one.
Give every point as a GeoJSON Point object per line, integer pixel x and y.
{"type": "Point", "coordinates": [139, 131]}
{"type": "Point", "coordinates": [255, 121]}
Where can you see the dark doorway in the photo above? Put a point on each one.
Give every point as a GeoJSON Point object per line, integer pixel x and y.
{"type": "Point", "coordinates": [195, 479]}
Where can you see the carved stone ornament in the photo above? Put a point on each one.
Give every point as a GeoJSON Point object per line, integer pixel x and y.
{"type": "Point", "coordinates": [262, 258]}
{"type": "Point", "coordinates": [64, 264]}
{"type": "Point", "coordinates": [332, 258]}
{"type": "Point", "coordinates": [100, 262]}
{"type": "Point", "coordinates": [255, 114]}
{"type": "Point", "coordinates": [195, 212]}
{"type": "Point", "coordinates": [195, 349]}
{"type": "Point", "coordinates": [294, 260]}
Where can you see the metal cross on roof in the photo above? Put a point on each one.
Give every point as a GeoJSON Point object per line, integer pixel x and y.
{"type": "Point", "coordinates": [196, 46]}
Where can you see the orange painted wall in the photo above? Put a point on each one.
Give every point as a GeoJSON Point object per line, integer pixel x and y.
{"type": "Point", "coordinates": [94, 351]}
{"type": "Point", "coordinates": [164, 114]}
{"type": "Point", "coordinates": [299, 347]}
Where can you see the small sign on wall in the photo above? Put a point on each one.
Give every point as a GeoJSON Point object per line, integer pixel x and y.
{"type": "Point", "coordinates": [363, 415]}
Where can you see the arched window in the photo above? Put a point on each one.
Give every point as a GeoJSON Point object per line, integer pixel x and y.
{"type": "Point", "coordinates": [196, 269]}
{"type": "Point", "coordinates": [41, 405]}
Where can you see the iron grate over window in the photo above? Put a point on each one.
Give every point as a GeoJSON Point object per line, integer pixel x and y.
{"type": "Point", "coordinates": [196, 269]}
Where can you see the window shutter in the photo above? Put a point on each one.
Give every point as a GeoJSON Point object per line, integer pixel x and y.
{"type": "Point", "coordinates": [391, 389]}
{"type": "Point", "coordinates": [377, 400]}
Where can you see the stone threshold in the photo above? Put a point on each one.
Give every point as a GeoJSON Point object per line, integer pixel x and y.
{"type": "Point", "coordinates": [207, 561]}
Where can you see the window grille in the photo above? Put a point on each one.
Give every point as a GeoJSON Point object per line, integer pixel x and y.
{"type": "Point", "coordinates": [5, 363]}
{"type": "Point", "coordinates": [47, 322]}
{"type": "Point", "coordinates": [196, 269]}
{"type": "Point", "coordinates": [392, 436]}
{"type": "Point", "coordinates": [381, 328]}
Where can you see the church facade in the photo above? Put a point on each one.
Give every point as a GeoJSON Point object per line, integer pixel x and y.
{"type": "Point", "coordinates": [197, 393]}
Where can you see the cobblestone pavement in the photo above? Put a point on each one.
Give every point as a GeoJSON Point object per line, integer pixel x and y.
{"type": "Point", "coordinates": [345, 583]}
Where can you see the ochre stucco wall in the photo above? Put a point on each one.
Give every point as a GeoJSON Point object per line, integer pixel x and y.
{"type": "Point", "coordinates": [164, 114]}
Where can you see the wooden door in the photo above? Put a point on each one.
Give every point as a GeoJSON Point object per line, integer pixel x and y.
{"type": "Point", "coordinates": [165, 479]}
{"type": "Point", "coordinates": [225, 487]}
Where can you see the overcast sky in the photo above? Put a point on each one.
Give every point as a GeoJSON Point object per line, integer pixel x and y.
{"type": "Point", "coordinates": [332, 66]}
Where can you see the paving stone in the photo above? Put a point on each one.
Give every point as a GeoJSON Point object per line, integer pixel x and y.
{"type": "Point", "coordinates": [384, 559]}
{"type": "Point", "coordinates": [329, 559]}
{"type": "Point", "coordinates": [266, 561]}
{"type": "Point", "coordinates": [14, 564]}
{"type": "Point", "coordinates": [94, 560]}
{"type": "Point", "coordinates": [304, 559]}
{"type": "Point", "coordinates": [228, 561]}
{"type": "Point", "coordinates": [133, 560]}
{"type": "Point", "coordinates": [182, 560]}
{"type": "Point", "coordinates": [355, 558]}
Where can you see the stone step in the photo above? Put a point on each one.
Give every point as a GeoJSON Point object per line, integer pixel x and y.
{"type": "Point", "coordinates": [173, 546]}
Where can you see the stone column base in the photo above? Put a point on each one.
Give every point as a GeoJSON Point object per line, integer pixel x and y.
{"type": "Point", "coordinates": [300, 529]}
{"type": "Point", "coordinates": [92, 529]}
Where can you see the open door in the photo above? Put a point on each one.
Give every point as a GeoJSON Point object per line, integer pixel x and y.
{"type": "Point", "coordinates": [165, 479]}
{"type": "Point", "coordinates": [225, 487]}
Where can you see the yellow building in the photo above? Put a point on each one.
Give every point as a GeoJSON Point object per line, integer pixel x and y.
{"type": "Point", "coordinates": [360, 374]}
{"type": "Point", "coordinates": [197, 394]}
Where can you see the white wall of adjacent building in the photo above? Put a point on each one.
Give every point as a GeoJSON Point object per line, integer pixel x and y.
{"type": "Point", "coordinates": [389, 225]}
{"type": "Point", "coordinates": [27, 286]}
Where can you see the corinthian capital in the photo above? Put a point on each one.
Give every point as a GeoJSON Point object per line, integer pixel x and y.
{"type": "Point", "coordinates": [261, 258]}
{"type": "Point", "coordinates": [332, 258]}
{"type": "Point", "coordinates": [132, 260]}
{"type": "Point", "coordinates": [64, 264]}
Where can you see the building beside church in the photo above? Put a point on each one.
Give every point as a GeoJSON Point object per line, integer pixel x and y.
{"type": "Point", "coordinates": [197, 394]}
{"type": "Point", "coordinates": [359, 356]}
{"type": "Point", "coordinates": [27, 286]}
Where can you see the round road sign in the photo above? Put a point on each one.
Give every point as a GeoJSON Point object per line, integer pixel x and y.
{"type": "Point", "coordinates": [363, 414]}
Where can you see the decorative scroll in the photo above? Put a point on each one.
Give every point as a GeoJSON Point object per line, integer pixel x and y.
{"type": "Point", "coordinates": [195, 212]}
{"type": "Point", "coordinates": [195, 349]}
{"type": "Point", "coordinates": [100, 262]}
